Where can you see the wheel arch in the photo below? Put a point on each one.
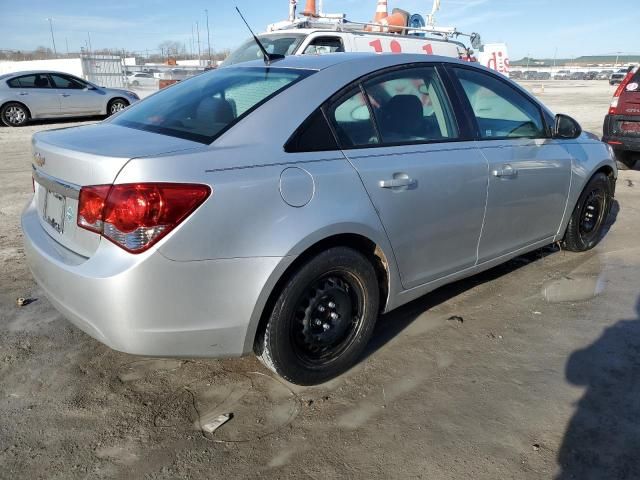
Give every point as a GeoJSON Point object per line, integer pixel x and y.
{"type": "Point", "coordinates": [19, 103]}
{"type": "Point", "coordinates": [114, 98]}
{"type": "Point", "coordinates": [603, 167]}
{"type": "Point", "coordinates": [378, 252]}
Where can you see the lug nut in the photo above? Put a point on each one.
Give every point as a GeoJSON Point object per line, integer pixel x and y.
{"type": "Point", "coordinates": [326, 326]}
{"type": "Point", "coordinates": [318, 322]}
{"type": "Point", "coordinates": [321, 308]}
{"type": "Point", "coordinates": [332, 305]}
{"type": "Point", "coordinates": [334, 316]}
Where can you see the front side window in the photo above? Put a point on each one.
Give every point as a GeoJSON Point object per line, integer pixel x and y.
{"type": "Point", "coordinates": [62, 81]}
{"type": "Point", "coordinates": [38, 80]}
{"type": "Point", "coordinates": [203, 107]}
{"type": "Point", "coordinates": [500, 110]}
{"type": "Point", "coordinates": [410, 105]}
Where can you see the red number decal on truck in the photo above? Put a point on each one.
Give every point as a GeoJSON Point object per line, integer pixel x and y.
{"type": "Point", "coordinates": [428, 49]}
{"type": "Point", "coordinates": [377, 45]}
{"type": "Point", "coordinates": [396, 47]}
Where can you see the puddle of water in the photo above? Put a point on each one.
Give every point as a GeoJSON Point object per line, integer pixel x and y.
{"type": "Point", "coordinates": [576, 288]}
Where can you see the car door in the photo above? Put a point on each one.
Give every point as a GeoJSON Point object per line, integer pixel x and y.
{"type": "Point", "coordinates": [35, 91]}
{"type": "Point", "coordinates": [530, 173]}
{"type": "Point", "coordinates": [76, 96]}
{"type": "Point", "coordinates": [427, 182]}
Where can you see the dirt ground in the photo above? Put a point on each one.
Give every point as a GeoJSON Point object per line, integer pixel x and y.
{"type": "Point", "coordinates": [539, 378]}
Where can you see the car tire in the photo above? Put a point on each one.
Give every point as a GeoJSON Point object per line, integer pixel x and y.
{"type": "Point", "coordinates": [625, 160]}
{"type": "Point", "coordinates": [14, 114]}
{"type": "Point", "coordinates": [589, 215]}
{"type": "Point", "coordinates": [135, 83]}
{"type": "Point", "coordinates": [307, 339]}
{"type": "Point", "coordinates": [116, 105]}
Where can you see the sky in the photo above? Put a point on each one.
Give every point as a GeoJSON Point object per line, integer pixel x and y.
{"type": "Point", "coordinates": [539, 28]}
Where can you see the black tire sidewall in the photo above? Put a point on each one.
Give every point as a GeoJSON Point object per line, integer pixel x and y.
{"type": "Point", "coordinates": [14, 104]}
{"type": "Point", "coordinates": [277, 337]}
{"type": "Point", "coordinates": [574, 240]}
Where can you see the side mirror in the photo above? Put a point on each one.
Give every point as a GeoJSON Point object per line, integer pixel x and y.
{"type": "Point", "coordinates": [566, 127]}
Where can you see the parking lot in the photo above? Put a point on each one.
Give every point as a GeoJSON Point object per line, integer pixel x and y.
{"type": "Point", "coordinates": [526, 371]}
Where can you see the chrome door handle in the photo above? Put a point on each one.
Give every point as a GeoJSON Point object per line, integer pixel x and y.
{"type": "Point", "coordinates": [506, 171]}
{"type": "Point", "coordinates": [398, 183]}
{"type": "Point", "coordinates": [65, 94]}
{"type": "Point", "coordinates": [23, 93]}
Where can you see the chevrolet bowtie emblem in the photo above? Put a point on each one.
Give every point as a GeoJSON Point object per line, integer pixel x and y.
{"type": "Point", "coordinates": [39, 159]}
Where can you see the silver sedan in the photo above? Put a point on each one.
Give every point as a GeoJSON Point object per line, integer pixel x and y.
{"type": "Point", "coordinates": [279, 209]}
{"type": "Point", "coordinates": [33, 95]}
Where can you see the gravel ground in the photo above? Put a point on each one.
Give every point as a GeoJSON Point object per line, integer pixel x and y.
{"type": "Point", "coordinates": [538, 378]}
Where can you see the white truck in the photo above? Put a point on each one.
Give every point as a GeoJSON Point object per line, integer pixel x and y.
{"type": "Point", "coordinates": [318, 33]}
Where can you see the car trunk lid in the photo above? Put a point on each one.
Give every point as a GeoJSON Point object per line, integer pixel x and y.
{"type": "Point", "coordinates": [66, 160]}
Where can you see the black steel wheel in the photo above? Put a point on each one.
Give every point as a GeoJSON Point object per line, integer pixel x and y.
{"type": "Point", "coordinates": [116, 105]}
{"type": "Point", "coordinates": [322, 319]}
{"type": "Point", "coordinates": [14, 114]}
{"type": "Point", "coordinates": [590, 214]}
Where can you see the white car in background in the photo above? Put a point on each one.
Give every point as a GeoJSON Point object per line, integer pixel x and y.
{"type": "Point", "coordinates": [39, 94]}
{"type": "Point", "coordinates": [141, 79]}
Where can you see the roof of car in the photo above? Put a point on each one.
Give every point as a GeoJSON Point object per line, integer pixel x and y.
{"type": "Point", "coordinates": [31, 72]}
{"type": "Point", "coordinates": [320, 62]}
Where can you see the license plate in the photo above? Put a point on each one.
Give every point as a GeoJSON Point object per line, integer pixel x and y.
{"type": "Point", "coordinates": [54, 206]}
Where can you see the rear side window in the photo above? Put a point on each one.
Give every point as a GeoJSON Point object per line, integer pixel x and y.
{"type": "Point", "coordinates": [323, 45]}
{"type": "Point", "coordinates": [38, 80]}
{"type": "Point", "coordinates": [314, 135]}
{"type": "Point", "coordinates": [500, 110]}
{"type": "Point", "coordinates": [352, 120]}
{"type": "Point", "coordinates": [203, 107]}
{"type": "Point", "coordinates": [410, 106]}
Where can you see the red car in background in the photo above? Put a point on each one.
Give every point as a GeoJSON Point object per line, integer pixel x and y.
{"type": "Point", "coordinates": [622, 124]}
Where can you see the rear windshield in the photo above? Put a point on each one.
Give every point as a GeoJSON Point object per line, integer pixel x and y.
{"type": "Point", "coordinates": [204, 107]}
{"type": "Point", "coordinates": [281, 44]}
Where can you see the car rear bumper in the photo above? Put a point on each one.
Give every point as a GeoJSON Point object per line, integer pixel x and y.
{"type": "Point", "coordinates": [617, 138]}
{"type": "Point", "coordinates": [147, 304]}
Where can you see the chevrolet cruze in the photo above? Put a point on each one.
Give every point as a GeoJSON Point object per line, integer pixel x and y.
{"type": "Point", "coordinates": [280, 208]}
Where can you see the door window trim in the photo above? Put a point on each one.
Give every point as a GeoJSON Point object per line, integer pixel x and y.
{"type": "Point", "coordinates": [50, 87]}
{"type": "Point", "coordinates": [470, 114]}
{"type": "Point", "coordinates": [464, 134]}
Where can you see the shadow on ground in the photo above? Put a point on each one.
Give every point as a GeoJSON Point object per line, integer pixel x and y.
{"type": "Point", "coordinates": [602, 440]}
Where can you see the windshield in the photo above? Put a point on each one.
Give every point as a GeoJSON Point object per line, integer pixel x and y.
{"type": "Point", "coordinates": [204, 107]}
{"type": "Point", "coordinates": [281, 44]}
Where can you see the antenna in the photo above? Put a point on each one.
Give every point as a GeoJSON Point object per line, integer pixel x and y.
{"type": "Point", "coordinates": [268, 57]}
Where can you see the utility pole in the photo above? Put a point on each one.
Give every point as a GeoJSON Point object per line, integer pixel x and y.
{"type": "Point", "coordinates": [90, 48]}
{"type": "Point", "coordinates": [198, 33]}
{"type": "Point", "coordinates": [193, 42]}
{"type": "Point", "coordinates": [555, 55]}
{"type": "Point", "coordinates": [66, 41]}
{"type": "Point", "coordinates": [208, 36]}
{"type": "Point", "coordinates": [53, 40]}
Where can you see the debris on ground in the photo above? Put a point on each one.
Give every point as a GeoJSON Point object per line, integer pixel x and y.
{"type": "Point", "coordinates": [536, 447]}
{"type": "Point", "coordinates": [217, 422]}
{"type": "Point", "coordinates": [629, 183]}
{"type": "Point", "coordinates": [456, 318]}
{"type": "Point", "coordinates": [23, 302]}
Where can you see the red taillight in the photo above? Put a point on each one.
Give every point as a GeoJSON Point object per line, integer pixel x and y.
{"type": "Point", "coordinates": [137, 215]}
{"type": "Point", "coordinates": [613, 109]}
